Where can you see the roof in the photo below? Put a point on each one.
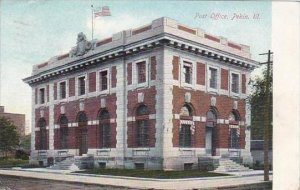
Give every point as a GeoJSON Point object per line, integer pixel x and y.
{"type": "Point", "coordinates": [162, 31]}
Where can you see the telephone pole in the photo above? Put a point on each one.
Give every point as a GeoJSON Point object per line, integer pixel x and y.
{"type": "Point", "coordinates": [267, 116]}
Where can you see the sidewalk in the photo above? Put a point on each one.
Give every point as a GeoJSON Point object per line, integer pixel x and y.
{"type": "Point", "coordinates": [139, 183]}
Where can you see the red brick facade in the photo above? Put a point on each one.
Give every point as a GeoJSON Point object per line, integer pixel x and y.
{"type": "Point", "coordinates": [132, 105]}
{"type": "Point", "coordinates": [200, 102]}
{"type": "Point", "coordinates": [244, 83]}
{"type": "Point", "coordinates": [71, 87]}
{"type": "Point", "coordinates": [92, 82]}
{"type": "Point", "coordinates": [92, 109]}
{"type": "Point", "coordinates": [224, 79]}
{"type": "Point", "coordinates": [37, 133]}
{"type": "Point", "coordinates": [200, 73]}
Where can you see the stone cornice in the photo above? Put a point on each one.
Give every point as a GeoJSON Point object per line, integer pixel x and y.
{"type": "Point", "coordinates": [138, 47]}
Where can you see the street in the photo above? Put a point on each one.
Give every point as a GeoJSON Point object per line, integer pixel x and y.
{"type": "Point", "coordinates": [19, 183]}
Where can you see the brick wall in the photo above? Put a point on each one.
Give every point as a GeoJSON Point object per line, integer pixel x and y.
{"type": "Point", "coordinates": [132, 105]}
{"type": "Point", "coordinates": [224, 79]}
{"type": "Point", "coordinates": [91, 109]}
{"type": "Point", "coordinates": [92, 82]}
{"type": "Point", "coordinates": [71, 87]}
{"type": "Point", "coordinates": [200, 102]}
{"type": "Point", "coordinates": [244, 83]}
{"type": "Point", "coordinates": [200, 73]}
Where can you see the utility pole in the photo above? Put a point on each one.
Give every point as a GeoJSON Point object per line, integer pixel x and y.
{"type": "Point", "coordinates": [267, 117]}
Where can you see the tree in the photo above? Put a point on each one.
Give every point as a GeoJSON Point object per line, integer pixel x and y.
{"type": "Point", "coordinates": [9, 138]}
{"type": "Point", "coordinates": [25, 142]}
{"type": "Point", "coordinates": [258, 101]}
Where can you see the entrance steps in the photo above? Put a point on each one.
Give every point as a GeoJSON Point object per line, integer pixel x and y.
{"type": "Point", "coordinates": [227, 165]}
{"type": "Point", "coordinates": [67, 164]}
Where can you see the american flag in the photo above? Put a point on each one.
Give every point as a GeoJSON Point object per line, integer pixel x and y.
{"type": "Point", "coordinates": [103, 11]}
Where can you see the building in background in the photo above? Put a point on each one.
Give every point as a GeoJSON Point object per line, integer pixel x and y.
{"type": "Point", "coordinates": [161, 96]}
{"type": "Point", "coordinates": [17, 119]}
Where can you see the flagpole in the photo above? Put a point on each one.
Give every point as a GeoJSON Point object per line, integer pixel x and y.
{"type": "Point", "coordinates": [92, 22]}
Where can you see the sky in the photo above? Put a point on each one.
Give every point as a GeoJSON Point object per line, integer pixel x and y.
{"type": "Point", "coordinates": [33, 31]}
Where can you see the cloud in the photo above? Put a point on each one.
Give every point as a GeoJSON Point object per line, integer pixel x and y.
{"type": "Point", "coordinates": [106, 26]}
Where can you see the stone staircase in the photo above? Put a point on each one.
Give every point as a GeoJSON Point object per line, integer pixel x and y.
{"type": "Point", "coordinates": [227, 165]}
{"type": "Point", "coordinates": [67, 163]}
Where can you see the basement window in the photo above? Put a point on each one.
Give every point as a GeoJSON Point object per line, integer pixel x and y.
{"type": "Point", "coordinates": [139, 166]}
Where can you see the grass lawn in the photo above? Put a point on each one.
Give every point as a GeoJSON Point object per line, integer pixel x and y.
{"type": "Point", "coordinates": [152, 173]}
{"type": "Point", "coordinates": [11, 162]}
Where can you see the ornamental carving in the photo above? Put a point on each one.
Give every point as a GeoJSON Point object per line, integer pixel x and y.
{"type": "Point", "coordinates": [83, 46]}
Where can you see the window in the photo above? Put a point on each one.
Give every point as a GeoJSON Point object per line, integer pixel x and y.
{"type": "Point", "coordinates": [142, 133]}
{"type": "Point", "coordinates": [104, 129]}
{"type": "Point", "coordinates": [211, 118]}
{"type": "Point", "coordinates": [63, 132]}
{"type": "Point", "coordinates": [234, 139]}
{"type": "Point", "coordinates": [235, 83]}
{"type": "Point", "coordinates": [186, 111]}
{"type": "Point", "coordinates": [234, 132]}
{"type": "Point", "coordinates": [42, 95]}
{"type": "Point", "coordinates": [43, 134]}
{"type": "Point", "coordinates": [142, 126]}
{"type": "Point", "coordinates": [141, 72]}
{"type": "Point", "coordinates": [103, 80]}
{"type": "Point", "coordinates": [187, 72]}
{"type": "Point", "coordinates": [62, 88]}
{"type": "Point", "coordinates": [213, 78]}
{"type": "Point", "coordinates": [185, 136]}
{"type": "Point", "coordinates": [82, 118]}
{"type": "Point", "coordinates": [81, 85]}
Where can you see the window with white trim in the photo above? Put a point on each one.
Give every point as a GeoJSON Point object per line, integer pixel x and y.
{"type": "Point", "coordinates": [187, 72]}
{"type": "Point", "coordinates": [235, 83]}
{"type": "Point", "coordinates": [185, 136]}
{"type": "Point", "coordinates": [141, 72]}
{"type": "Point", "coordinates": [42, 95]}
{"type": "Point", "coordinates": [62, 90]}
{"type": "Point", "coordinates": [81, 85]}
{"type": "Point", "coordinates": [103, 75]}
{"type": "Point", "coordinates": [213, 78]}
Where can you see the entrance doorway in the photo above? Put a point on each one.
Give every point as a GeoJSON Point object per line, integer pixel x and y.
{"type": "Point", "coordinates": [82, 141]}
{"type": "Point", "coordinates": [82, 133]}
{"type": "Point", "coordinates": [208, 140]}
{"type": "Point", "coordinates": [211, 120]}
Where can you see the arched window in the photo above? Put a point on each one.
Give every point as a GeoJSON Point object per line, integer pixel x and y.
{"type": "Point", "coordinates": [142, 126]}
{"type": "Point", "coordinates": [63, 122]}
{"type": "Point", "coordinates": [81, 118]}
{"type": "Point", "coordinates": [234, 117]}
{"type": "Point", "coordinates": [104, 129]}
{"type": "Point", "coordinates": [211, 118]}
{"type": "Point", "coordinates": [43, 134]}
{"type": "Point", "coordinates": [185, 135]}
{"type": "Point", "coordinates": [186, 110]}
